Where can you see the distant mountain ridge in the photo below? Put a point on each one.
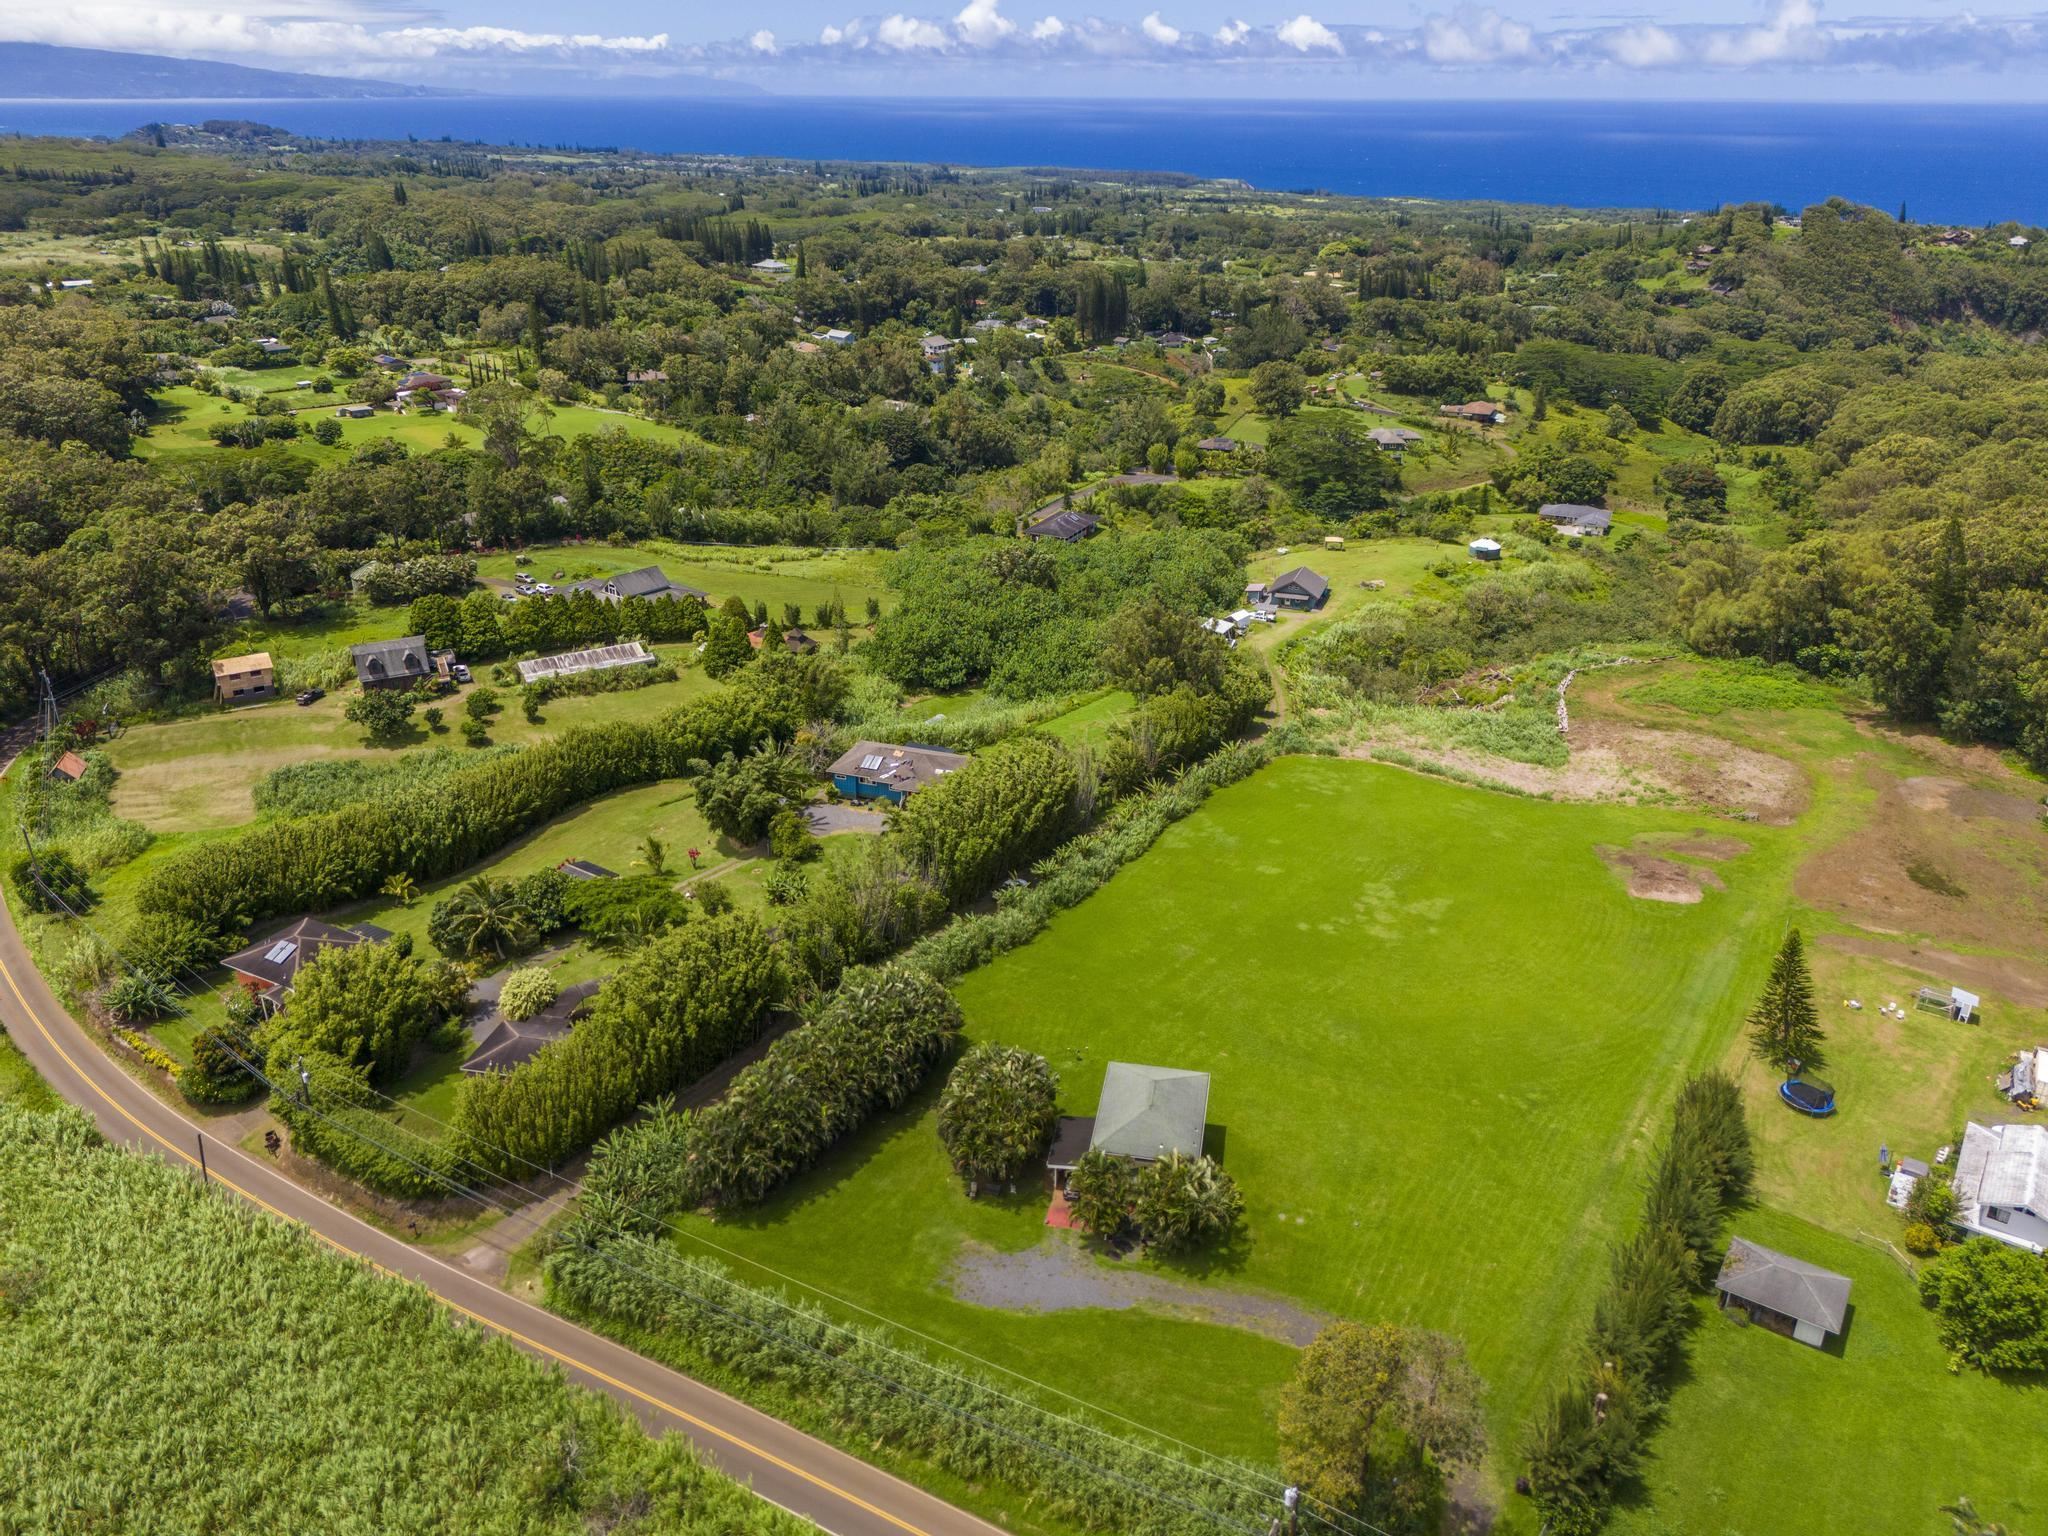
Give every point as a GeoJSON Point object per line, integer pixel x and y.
{"type": "Point", "coordinates": [45, 72]}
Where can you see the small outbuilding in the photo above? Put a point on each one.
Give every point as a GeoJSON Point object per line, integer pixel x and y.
{"type": "Point", "coordinates": [1955, 1002]}
{"type": "Point", "coordinates": [70, 768]}
{"type": "Point", "coordinates": [1785, 1294]}
{"type": "Point", "coordinates": [355, 410]}
{"type": "Point", "coordinates": [1217, 445]}
{"type": "Point", "coordinates": [584, 869]}
{"type": "Point", "coordinates": [1485, 549]}
{"type": "Point", "coordinates": [1146, 1113]}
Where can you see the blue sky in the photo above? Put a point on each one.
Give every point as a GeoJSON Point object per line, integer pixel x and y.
{"type": "Point", "coordinates": [1800, 50]}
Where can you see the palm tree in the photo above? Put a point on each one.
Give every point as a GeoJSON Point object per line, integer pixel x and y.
{"type": "Point", "coordinates": [654, 854]}
{"type": "Point", "coordinates": [401, 888]}
{"type": "Point", "coordinates": [485, 915]}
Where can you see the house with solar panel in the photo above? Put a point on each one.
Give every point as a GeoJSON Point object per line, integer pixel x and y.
{"type": "Point", "coordinates": [270, 966]}
{"type": "Point", "coordinates": [1144, 1114]}
{"type": "Point", "coordinates": [875, 770]}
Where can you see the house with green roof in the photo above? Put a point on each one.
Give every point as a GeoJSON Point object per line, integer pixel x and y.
{"type": "Point", "coordinates": [1144, 1114]}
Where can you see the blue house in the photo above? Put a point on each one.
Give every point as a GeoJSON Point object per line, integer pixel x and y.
{"type": "Point", "coordinates": [874, 770]}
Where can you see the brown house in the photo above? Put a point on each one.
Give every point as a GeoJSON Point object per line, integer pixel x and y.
{"type": "Point", "coordinates": [1475, 410]}
{"type": "Point", "coordinates": [270, 966]}
{"type": "Point", "coordinates": [244, 679]}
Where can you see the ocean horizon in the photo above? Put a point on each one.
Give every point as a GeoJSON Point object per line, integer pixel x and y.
{"type": "Point", "coordinates": [1943, 162]}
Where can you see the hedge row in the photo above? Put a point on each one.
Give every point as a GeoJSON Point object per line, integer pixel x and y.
{"type": "Point", "coordinates": [322, 861]}
{"type": "Point", "coordinates": [871, 1046]}
{"type": "Point", "coordinates": [1590, 1438]}
{"type": "Point", "coordinates": [678, 1007]}
{"type": "Point", "coordinates": [1004, 809]}
{"type": "Point", "coordinates": [1083, 866]}
{"type": "Point", "coordinates": [852, 1385]}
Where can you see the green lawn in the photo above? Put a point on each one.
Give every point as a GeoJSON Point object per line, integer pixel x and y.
{"type": "Point", "coordinates": [1424, 1006]}
{"type": "Point", "coordinates": [196, 773]}
{"type": "Point", "coordinates": [1091, 721]}
{"type": "Point", "coordinates": [1766, 1436]}
{"type": "Point", "coordinates": [768, 574]}
{"type": "Point", "coordinates": [1403, 564]}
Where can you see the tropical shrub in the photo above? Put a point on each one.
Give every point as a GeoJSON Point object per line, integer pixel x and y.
{"type": "Point", "coordinates": [47, 881]}
{"type": "Point", "coordinates": [1101, 1190]}
{"type": "Point", "coordinates": [1008, 806]}
{"type": "Point", "coordinates": [741, 796]}
{"type": "Point", "coordinates": [169, 947]}
{"type": "Point", "coordinates": [676, 1008]}
{"type": "Point", "coordinates": [1185, 1202]}
{"type": "Point", "coordinates": [217, 1074]}
{"type": "Point", "coordinates": [1990, 1304]}
{"type": "Point", "coordinates": [870, 1047]}
{"type": "Point", "coordinates": [526, 992]}
{"type": "Point", "coordinates": [137, 995]}
{"type": "Point", "coordinates": [627, 910]}
{"type": "Point", "coordinates": [365, 1004]}
{"type": "Point", "coordinates": [325, 861]}
{"type": "Point", "coordinates": [997, 1112]}
{"type": "Point", "coordinates": [483, 916]}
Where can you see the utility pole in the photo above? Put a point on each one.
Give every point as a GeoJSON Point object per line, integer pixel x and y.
{"type": "Point", "coordinates": [204, 1176]}
{"type": "Point", "coordinates": [46, 709]}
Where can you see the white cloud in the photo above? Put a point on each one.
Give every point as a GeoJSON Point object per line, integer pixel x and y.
{"type": "Point", "coordinates": [1305, 34]}
{"type": "Point", "coordinates": [219, 31]}
{"type": "Point", "coordinates": [1047, 28]}
{"type": "Point", "coordinates": [1232, 33]}
{"type": "Point", "coordinates": [762, 41]}
{"type": "Point", "coordinates": [1791, 33]}
{"type": "Point", "coordinates": [982, 23]}
{"type": "Point", "coordinates": [1160, 33]}
{"type": "Point", "coordinates": [1642, 47]}
{"type": "Point", "coordinates": [831, 36]}
{"type": "Point", "coordinates": [1476, 37]}
{"type": "Point", "coordinates": [909, 33]}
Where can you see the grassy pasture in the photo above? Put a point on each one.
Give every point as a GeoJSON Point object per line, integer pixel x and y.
{"type": "Point", "coordinates": [759, 574]}
{"type": "Point", "coordinates": [1408, 1041]}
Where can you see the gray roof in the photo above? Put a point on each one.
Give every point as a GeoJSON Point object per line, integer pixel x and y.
{"type": "Point", "coordinates": [1792, 1287]}
{"type": "Point", "coordinates": [647, 581]}
{"type": "Point", "coordinates": [506, 1045]}
{"type": "Point", "coordinates": [1394, 437]}
{"type": "Point", "coordinates": [1302, 580]}
{"type": "Point", "coordinates": [1147, 1112]}
{"type": "Point", "coordinates": [900, 768]}
{"type": "Point", "coordinates": [1064, 526]}
{"type": "Point", "coordinates": [2002, 1165]}
{"type": "Point", "coordinates": [276, 959]}
{"type": "Point", "coordinates": [378, 660]}
{"type": "Point", "coordinates": [1574, 512]}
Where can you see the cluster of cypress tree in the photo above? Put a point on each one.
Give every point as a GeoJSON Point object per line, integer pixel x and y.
{"type": "Point", "coordinates": [1591, 1436]}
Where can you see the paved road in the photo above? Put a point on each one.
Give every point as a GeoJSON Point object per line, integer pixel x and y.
{"type": "Point", "coordinates": [838, 1492]}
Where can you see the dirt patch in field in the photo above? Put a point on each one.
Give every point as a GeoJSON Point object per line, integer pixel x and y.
{"type": "Point", "coordinates": [1639, 765]}
{"type": "Point", "coordinates": [1938, 855]}
{"type": "Point", "coordinates": [1651, 878]}
{"type": "Point", "coordinates": [2024, 982]}
{"type": "Point", "coordinates": [1703, 846]}
{"type": "Point", "coordinates": [1937, 793]}
{"type": "Point", "coordinates": [1058, 1276]}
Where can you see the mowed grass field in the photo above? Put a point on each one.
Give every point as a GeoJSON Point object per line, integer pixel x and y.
{"type": "Point", "coordinates": [768, 574]}
{"type": "Point", "coordinates": [1442, 1038]}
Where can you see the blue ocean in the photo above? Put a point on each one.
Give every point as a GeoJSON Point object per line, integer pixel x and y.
{"type": "Point", "coordinates": [1976, 164]}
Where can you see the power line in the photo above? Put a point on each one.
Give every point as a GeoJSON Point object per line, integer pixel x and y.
{"type": "Point", "coordinates": [604, 1256]}
{"type": "Point", "coordinates": [1205, 1467]}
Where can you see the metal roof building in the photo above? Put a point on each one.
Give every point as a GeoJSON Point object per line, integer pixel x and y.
{"type": "Point", "coordinates": [598, 658]}
{"type": "Point", "coordinates": [1147, 1112]}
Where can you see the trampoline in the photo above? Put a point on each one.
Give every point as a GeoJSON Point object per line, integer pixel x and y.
{"type": "Point", "coordinates": [1808, 1095]}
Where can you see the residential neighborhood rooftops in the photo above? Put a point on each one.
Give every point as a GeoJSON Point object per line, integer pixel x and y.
{"type": "Point", "coordinates": [1147, 1112]}
{"type": "Point", "coordinates": [1791, 1287]}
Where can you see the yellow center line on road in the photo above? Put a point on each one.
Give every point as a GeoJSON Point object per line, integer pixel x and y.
{"type": "Point", "coordinates": [454, 1306]}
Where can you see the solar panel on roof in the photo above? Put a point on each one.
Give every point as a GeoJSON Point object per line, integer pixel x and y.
{"type": "Point", "coordinates": [872, 761]}
{"type": "Point", "coordinates": [281, 951]}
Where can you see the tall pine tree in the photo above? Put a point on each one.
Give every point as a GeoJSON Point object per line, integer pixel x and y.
{"type": "Point", "coordinates": [1784, 1026]}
